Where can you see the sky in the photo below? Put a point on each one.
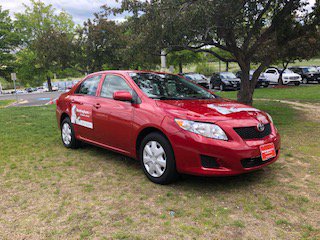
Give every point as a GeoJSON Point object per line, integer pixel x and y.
{"type": "Point", "coordinates": [80, 10]}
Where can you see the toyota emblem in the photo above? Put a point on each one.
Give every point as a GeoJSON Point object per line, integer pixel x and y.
{"type": "Point", "coordinates": [260, 127]}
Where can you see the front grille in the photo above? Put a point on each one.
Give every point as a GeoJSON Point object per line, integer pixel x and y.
{"type": "Point", "coordinates": [255, 162]}
{"type": "Point", "coordinates": [294, 78]}
{"type": "Point", "coordinates": [252, 132]}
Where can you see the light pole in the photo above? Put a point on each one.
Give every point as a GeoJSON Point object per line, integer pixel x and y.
{"type": "Point", "coordinates": [14, 78]}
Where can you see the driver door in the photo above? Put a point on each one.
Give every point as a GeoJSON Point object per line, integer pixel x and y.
{"type": "Point", "coordinates": [113, 118]}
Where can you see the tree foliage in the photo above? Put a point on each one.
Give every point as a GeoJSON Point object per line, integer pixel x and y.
{"type": "Point", "coordinates": [46, 41]}
{"type": "Point", "coordinates": [248, 30]}
{"type": "Point", "coordinates": [9, 41]}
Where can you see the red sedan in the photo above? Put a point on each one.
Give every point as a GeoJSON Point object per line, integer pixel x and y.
{"type": "Point", "coordinates": [168, 123]}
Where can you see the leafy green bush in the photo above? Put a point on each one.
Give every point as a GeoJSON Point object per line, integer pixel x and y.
{"type": "Point", "coordinates": [6, 84]}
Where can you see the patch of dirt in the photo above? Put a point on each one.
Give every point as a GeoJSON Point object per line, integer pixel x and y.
{"type": "Point", "coordinates": [311, 110]}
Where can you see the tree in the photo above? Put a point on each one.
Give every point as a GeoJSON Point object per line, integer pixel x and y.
{"type": "Point", "coordinates": [179, 58]}
{"type": "Point", "coordinates": [46, 38]}
{"type": "Point", "coordinates": [9, 41]}
{"type": "Point", "coordinates": [100, 42]}
{"type": "Point", "coordinates": [247, 29]}
{"type": "Point", "coordinates": [300, 44]}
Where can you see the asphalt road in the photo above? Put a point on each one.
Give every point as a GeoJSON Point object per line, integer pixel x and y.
{"type": "Point", "coordinates": [31, 99]}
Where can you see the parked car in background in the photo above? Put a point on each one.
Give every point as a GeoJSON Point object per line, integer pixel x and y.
{"type": "Point", "coordinates": [308, 74]}
{"type": "Point", "coordinates": [262, 81]}
{"type": "Point", "coordinates": [288, 76]}
{"type": "Point", "coordinates": [168, 123]}
{"type": "Point", "coordinates": [197, 78]}
{"type": "Point", "coordinates": [29, 90]}
{"type": "Point", "coordinates": [225, 81]}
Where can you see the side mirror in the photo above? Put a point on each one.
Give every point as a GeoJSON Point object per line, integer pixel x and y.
{"type": "Point", "coordinates": [123, 96]}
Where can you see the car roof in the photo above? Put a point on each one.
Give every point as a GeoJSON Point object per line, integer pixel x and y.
{"type": "Point", "coordinates": [129, 71]}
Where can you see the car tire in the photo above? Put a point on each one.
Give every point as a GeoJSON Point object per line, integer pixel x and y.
{"type": "Point", "coordinates": [157, 159]}
{"type": "Point", "coordinates": [68, 135]}
{"type": "Point", "coordinates": [221, 87]}
{"type": "Point", "coordinates": [304, 81]}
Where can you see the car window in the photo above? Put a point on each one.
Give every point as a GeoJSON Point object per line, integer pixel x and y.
{"type": "Point", "coordinates": [227, 75]}
{"type": "Point", "coordinates": [89, 86]}
{"type": "Point", "coordinates": [271, 71]}
{"type": "Point", "coordinates": [168, 86]}
{"type": "Point", "coordinates": [113, 83]}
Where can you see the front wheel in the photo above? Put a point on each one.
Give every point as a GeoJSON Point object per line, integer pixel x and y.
{"type": "Point", "coordinates": [67, 134]}
{"type": "Point", "coordinates": [157, 159]}
{"type": "Point", "coordinates": [221, 87]}
{"type": "Point", "coordinates": [304, 81]}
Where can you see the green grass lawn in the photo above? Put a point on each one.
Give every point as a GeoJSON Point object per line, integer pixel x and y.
{"type": "Point", "coordinates": [301, 93]}
{"type": "Point", "coordinates": [4, 103]}
{"type": "Point", "coordinates": [50, 192]}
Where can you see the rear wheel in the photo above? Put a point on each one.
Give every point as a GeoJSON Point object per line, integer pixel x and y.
{"type": "Point", "coordinates": [157, 159]}
{"type": "Point", "coordinates": [67, 134]}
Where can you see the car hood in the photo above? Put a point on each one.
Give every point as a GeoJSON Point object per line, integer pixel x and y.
{"type": "Point", "coordinates": [213, 111]}
{"type": "Point", "coordinates": [290, 75]}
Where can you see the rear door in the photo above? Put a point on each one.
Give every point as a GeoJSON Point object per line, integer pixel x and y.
{"type": "Point", "coordinates": [113, 118]}
{"type": "Point", "coordinates": [81, 107]}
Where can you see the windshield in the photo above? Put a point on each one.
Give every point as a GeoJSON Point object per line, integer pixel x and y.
{"type": "Point", "coordinates": [287, 71]}
{"type": "Point", "coordinates": [195, 76]}
{"type": "Point", "coordinates": [227, 75]}
{"type": "Point", "coordinates": [168, 86]}
{"type": "Point", "coordinates": [310, 70]}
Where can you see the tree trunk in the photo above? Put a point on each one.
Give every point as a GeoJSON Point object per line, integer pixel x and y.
{"type": "Point", "coordinates": [49, 84]}
{"type": "Point", "coordinates": [180, 67]}
{"type": "Point", "coordinates": [245, 95]}
{"type": "Point", "coordinates": [280, 82]}
{"type": "Point", "coordinates": [284, 65]}
{"type": "Point", "coordinates": [227, 66]}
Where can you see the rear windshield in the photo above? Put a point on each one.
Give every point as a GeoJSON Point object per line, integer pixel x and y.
{"type": "Point", "coordinates": [168, 86]}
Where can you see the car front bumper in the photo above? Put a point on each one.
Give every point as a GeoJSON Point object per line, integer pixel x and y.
{"type": "Point", "coordinates": [231, 157]}
{"type": "Point", "coordinates": [232, 86]}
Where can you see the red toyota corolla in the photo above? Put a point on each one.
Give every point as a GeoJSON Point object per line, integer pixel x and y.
{"type": "Point", "coordinates": [168, 123]}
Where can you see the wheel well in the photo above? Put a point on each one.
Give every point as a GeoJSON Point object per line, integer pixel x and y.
{"type": "Point", "coordinates": [63, 116]}
{"type": "Point", "coordinates": [144, 133]}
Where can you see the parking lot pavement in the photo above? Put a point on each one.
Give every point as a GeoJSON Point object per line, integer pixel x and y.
{"type": "Point", "coordinates": [32, 99]}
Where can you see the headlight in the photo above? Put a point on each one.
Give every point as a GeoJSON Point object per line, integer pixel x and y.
{"type": "Point", "coordinates": [270, 118]}
{"type": "Point", "coordinates": [226, 82]}
{"type": "Point", "coordinates": [204, 129]}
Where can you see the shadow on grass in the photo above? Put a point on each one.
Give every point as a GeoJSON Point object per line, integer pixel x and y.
{"type": "Point", "coordinates": [189, 182]}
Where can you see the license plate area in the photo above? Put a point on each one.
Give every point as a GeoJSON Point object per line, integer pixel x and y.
{"type": "Point", "coordinates": [267, 151]}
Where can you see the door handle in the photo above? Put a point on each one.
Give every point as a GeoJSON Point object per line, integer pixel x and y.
{"type": "Point", "coordinates": [76, 102]}
{"type": "Point", "coordinates": [97, 105]}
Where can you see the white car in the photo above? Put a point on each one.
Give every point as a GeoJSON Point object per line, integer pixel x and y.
{"type": "Point", "coordinates": [272, 74]}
